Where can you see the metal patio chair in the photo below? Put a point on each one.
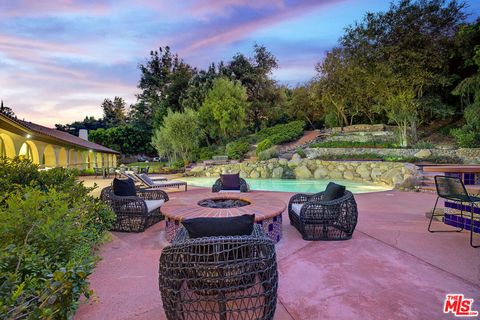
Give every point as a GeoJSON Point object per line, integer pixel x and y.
{"type": "Point", "coordinates": [453, 189]}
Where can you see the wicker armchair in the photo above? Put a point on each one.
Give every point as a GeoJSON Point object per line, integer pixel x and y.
{"type": "Point", "coordinates": [219, 277]}
{"type": "Point", "coordinates": [316, 219]}
{"type": "Point", "coordinates": [135, 213]}
{"type": "Point", "coordinates": [217, 186]}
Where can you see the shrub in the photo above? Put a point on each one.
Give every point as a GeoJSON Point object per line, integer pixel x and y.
{"type": "Point", "coordinates": [423, 145]}
{"type": "Point", "coordinates": [237, 149]}
{"type": "Point", "coordinates": [206, 153]}
{"type": "Point", "coordinates": [16, 172]}
{"type": "Point", "coordinates": [352, 144]}
{"type": "Point", "coordinates": [301, 153]}
{"type": "Point", "coordinates": [48, 228]}
{"type": "Point", "coordinates": [282, 133]}
{"type": "Point", "coordinates": [268, 154]}
{"type": "Point", "coordinates": [263, 145]}
{"type": "Point", "coordinates": [466, 138]}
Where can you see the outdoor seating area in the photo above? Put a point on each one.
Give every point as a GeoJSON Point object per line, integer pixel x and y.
{"type": "Point", "coordinates": [191, 284]}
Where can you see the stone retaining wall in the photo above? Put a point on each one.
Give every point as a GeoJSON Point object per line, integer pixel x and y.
{"type": "Point", "coordinates": [394, 174]}
{"type": "Point", "coordinates": [467, 155]}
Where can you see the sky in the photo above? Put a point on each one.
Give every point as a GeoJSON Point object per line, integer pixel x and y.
{"type": "Point", "coordinates": [59, 59]}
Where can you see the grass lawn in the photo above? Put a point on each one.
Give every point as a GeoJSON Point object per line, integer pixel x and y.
{"type": "Point", "coordinates": [155, 167]}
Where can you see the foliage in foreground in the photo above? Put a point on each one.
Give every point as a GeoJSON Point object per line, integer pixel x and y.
{"type": "Point", "coordinates": [49, 227]}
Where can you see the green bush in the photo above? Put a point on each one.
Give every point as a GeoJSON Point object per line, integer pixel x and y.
{"type": "Point", "coordinates": [466, 138]}
{"type": "Point", "coordinates": [352, 144]}
{"type": "Point", "coordinates": [268, 154]}
{"type": "Point", "coordinates": [282, 133]}
{"type": "Point", "coordinates": [206, 153]}
{"type": "Point", "coordinates": [49, 227]}
{"type": "Point", "coordinates": [301, 152]}
{"type": "Point", "coordinates": [423, 145]}
{"type": "Point", "coordinates": [237, 149]}
{"type": "Point", "coordinates": [263, 145]}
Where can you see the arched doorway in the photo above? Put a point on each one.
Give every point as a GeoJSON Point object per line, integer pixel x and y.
{"type": "Point", "coordinates": [7, 147]}
{"type": "Point", "coordinates": [49, 159]}
{"type": "Point", "coordinates": [29, 150]}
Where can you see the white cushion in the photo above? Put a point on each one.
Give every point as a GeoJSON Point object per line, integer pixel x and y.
{"type": "Point", "coordinates": [153, 204]}
{"type": "Point", "coordinates": [229, 191]}
{"type": "Point", "coordinates": [296, 208]}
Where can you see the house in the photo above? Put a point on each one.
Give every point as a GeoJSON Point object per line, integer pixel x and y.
{"type": "Point", "coordinates": [50, 147]}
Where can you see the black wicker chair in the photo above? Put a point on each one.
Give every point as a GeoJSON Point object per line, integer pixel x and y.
{"type": "Point", "coordinates": [453, 189]}
{"type": "Point", "coordinates": [316, 219]}
{"type": "Point", "coordinates": [219, 277]}
{"type": "Point", "coordinates": [218, 186]}
{"type": "Point", "coordinates": [135, 213]}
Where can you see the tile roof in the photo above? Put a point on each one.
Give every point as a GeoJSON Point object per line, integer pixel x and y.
{"type": "Point", "coordinates": [62, 136]}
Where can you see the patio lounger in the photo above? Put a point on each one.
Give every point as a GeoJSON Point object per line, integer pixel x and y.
{"type": "Point", "coordinates": [145, 180]}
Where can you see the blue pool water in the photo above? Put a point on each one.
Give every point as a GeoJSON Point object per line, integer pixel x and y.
{"type": "Point", "coordinates": [291, 185]}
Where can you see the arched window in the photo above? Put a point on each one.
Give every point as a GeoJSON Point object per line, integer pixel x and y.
{"type": "Point", "coordinates": [26, 152]}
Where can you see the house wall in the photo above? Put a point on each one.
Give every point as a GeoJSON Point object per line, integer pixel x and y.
{"type": "Point", "coordinates": [49, 155]}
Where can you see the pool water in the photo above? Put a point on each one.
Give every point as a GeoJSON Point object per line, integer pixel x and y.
{"type": "Point", "coordinates": [292, 185]}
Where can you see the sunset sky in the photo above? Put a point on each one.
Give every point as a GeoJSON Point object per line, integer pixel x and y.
{"type": "Point", "coordinates": [59, 60]}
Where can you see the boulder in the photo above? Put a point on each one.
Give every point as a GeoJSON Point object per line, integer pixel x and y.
{"type": "Point", "coordinates": [320, 173]}
{"type": "Point", "coordinates": [254, 174]}
{"type": "Point", "coordinates": [282, 162]}
{"type": "Point", "coordinates": [336, 174]}
{"type": "Point", "coordinates": [302, 172]}
{"type": "Point", "coordinates": [296, 161]}
{"type": "Point", "coordinates": [198, 169]}
{"type": "Point", "coordinates": [348, 175]}
{"type": "Point", "coordinates": [422, 154]}
{"type": "Point", "coordinates": [277, 173]}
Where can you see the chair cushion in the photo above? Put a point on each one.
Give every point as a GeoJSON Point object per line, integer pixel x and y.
{"type": "Point", "coordinates": [224, 191]}
{"type": "Point", "coordinates": [333, 191]}
{"type": "Point", "coordinates": [147, 179]}
{"type": "Point", "coordinates": [153, 204]}
{"type": "Point", "coordinates": [216, 227]}
{"type": "Point", "coordinates": [296, 208]}
{"type": "Point", "coordinates": [124, 187]}
{"type": "Point", "coordinates": [230, 181]}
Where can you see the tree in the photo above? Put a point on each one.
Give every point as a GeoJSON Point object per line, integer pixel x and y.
{"type": "Point", "coordinates": [302, 104]}
{"type": "Point", "coordinates": [412, 42]}
{"type": "Point", "coordinates": [6, 110]}
{"type": "Point", "coordinates": [126, 139]}
{"type": "Point", "coordinates": [469, 89]}
{"type": "Point", "coordinates": [89, 123]}
{"type": "Point", "coordinates": [114, 112]}
{"type": "Point", "coordinates": [180, 134]}
{"type": "Point", "coordinates": [164, 79]}
{"type": "Point", "coordinates": [254, 74]}
{"type": "Point", "coordinates": [227, 103]}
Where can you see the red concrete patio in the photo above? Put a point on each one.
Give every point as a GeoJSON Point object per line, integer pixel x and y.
{"type": "Point", "coordinates": [391, 269]}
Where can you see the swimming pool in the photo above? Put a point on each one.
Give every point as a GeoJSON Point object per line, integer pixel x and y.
{"type": "Point", "coordinates": [292, 185]}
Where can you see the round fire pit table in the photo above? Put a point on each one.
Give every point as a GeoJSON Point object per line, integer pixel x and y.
{"type": "Point", "coordinates": [266, 207]}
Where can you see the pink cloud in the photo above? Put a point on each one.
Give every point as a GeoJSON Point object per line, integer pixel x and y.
{"type": "Point", "coordinates": [36, 8]}
{"type": "Point", "coordinates": [244, 29]}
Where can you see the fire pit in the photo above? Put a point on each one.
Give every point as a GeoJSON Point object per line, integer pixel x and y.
{"type": "Point", "coordinates": [223, 203]}
{"type": "Point", "coordinates": [266, 207]}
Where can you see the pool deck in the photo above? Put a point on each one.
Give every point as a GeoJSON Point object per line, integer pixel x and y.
{"type": "Point", "coordinates": [392, 268]}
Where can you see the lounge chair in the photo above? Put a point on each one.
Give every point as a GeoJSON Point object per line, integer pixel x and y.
{"type": "Point", "coordinates": [134, 176]}
{"type": "Point", "coordinates": [222, 277]}
{"type": "Point", "coordinates": [230, 183]}
{"type": "Point", "coordinates": [146, 181]}
{"type": "Point", "coordinates": [135, 213]}
{"type": "Point", "coordinates": [453, 190]}
{"type": "Point", "coordinates": [328, 215]}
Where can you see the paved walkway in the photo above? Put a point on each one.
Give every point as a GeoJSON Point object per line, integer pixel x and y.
{"type": "Point", "coordinates": [391, 269]}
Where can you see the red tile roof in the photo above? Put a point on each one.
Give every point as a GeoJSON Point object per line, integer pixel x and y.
{"type": "Point", "coordinates": [62, 136]}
